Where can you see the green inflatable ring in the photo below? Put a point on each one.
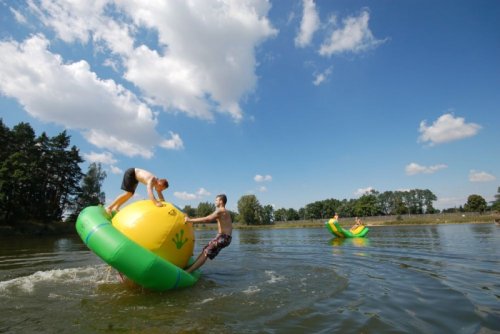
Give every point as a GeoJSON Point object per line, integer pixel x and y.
{"type": "Point", "coordinates": [136, 262]}
{"type": "Point", "coordinates": [334, 227]}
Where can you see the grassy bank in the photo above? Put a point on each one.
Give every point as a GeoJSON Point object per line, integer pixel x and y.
{"type": "Point", "coordinates": [61, 228]}
{"type": "Point", "coordinates": [431, 219]}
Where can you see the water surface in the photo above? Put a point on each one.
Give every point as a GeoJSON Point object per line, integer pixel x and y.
{"type": "Point", "coordinates": [404, 279]}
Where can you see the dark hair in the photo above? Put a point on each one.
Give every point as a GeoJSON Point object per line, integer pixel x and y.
{"type": "Point", "coordinates": [223, 197]}
{"type": "Point", "coordinates": [163, 182]}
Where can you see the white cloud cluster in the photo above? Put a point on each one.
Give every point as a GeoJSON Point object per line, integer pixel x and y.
{"type": "Point", "coordinates": [202, 62]}
{"type": "Point", "coordinates": [447, 128]}
{"type": "Point", "coordinates": [263, 178]}
{"type": "Point", "coordinates": [201, 193]}
{"type": "Point", "coordinates": [414, 168]}
{"type": "Point", "coordinates": [478, 176]}
{"type": "Point", "coordinates": [105, 158]}
{"type": "Point", "coordinates": [353, 36]}
{"type": "Point", "coordinates": [309, 24]}
{"type": "Point", "coordinates": [319, 78]}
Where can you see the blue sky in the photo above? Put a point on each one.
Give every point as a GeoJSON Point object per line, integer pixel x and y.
{"type": "Point", "coordinates": [293, 101]}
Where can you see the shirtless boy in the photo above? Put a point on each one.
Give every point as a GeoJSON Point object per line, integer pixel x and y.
{"type": "Point", "coordinates": [223, 237]}
{"type": "Point", "coordinates": [131, 179]}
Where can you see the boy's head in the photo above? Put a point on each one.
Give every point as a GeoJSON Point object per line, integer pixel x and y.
{"type": "Point", "coordinates": [222, 197]}
{"type": "Point", "coordinates": [162, 184]}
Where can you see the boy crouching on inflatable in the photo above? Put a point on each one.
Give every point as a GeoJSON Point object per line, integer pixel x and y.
{"type": "Point", "coordinates": [223, 237]}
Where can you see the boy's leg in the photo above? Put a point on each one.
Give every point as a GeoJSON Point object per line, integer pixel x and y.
{"type": "Point", "coordinates": [202, 258]}
{"type": "Point", "coordinates": [119, 201]}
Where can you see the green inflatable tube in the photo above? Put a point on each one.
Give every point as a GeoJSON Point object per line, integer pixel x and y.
{"type": "Point", "coordinates": [334, 227]}
{"type": "Point", "coordinates": [134, 261]}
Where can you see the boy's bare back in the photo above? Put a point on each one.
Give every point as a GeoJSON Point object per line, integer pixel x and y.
{"type": "Point", "coordinates": [144, 176]}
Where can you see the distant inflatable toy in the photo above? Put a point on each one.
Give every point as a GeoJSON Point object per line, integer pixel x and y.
{"type": "Point", "coordinates": [334, 227]}
{"type": "Point", "coordinates": [148, 244]}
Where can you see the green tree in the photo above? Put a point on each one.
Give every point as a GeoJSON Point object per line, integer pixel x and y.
{"type": "Point", "coordinates": [475, 203]}
{"type": "Point", "coordinates": [204, 209]}
{"type": "Point", "coordinates": [495, 205]}
{"type": "Point", "coordinates": [39, 177]}
{"type": "Point", "coordinates": [90, 190]}
{"type": "Point", "coordinates": [367, 205]}
{"type": "Point", "coordinates": [280, 215]}
{"type": "Point", "coordinates": [17, 188]}
{"type": "Point", "coordinates": [249, 210]}
{"type": "Point", "coordinates": [64, 175]}
{"type": "Point", "coordinates": [292, 214]}
{"type": "Point", "coordinates": [189, 211]}
{"type": "Point", "coordinates": [267, 215]}
{"type": "Point", "coordinates": [429, 198]}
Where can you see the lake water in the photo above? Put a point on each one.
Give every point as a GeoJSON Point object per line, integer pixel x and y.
{"type": "Point", "coordinates": [404, 279]}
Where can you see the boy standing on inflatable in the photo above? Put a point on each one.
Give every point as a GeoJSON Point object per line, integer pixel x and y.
{"type": "Point", "coordinates": [131, 179]}
{"type": "Point", "coordinates": [223, 237]}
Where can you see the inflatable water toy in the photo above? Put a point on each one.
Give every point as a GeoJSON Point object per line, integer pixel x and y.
{"type": "Point", "coordinates": [147, 244]}
{"type": "Point", "coordinates": [334, 227]}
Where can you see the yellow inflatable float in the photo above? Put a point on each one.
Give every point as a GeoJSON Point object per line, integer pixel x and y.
{"type": "Point", "coordinates": [160, 230]}
{"type": "Point", "coordinates": [148, 244]}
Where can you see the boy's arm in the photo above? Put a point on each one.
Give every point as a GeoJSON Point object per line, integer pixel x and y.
{"type": "Point", "coordinates": [151, 195]}
{"type": "Point", "coordinates": [160, 196]}
{"type": "Point", "coordinates": [209, 218]}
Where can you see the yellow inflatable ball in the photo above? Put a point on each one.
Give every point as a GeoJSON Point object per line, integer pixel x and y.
{"type": "Point", "coordinates": [159, 229]}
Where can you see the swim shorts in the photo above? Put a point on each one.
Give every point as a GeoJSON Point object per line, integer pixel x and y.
{"type": "Point", "coordinates": [129, 182]}
{"type": "Point", "coordinates": [216, 244]}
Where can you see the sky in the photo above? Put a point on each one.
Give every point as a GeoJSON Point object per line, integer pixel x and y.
{"type": "Point", "coordinates": [291, 101]}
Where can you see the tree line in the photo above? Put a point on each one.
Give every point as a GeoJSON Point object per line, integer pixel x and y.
{"type": "Point", "coordinates": [374, 203]}
{"type": "Point", "coordinates": [41, 179]}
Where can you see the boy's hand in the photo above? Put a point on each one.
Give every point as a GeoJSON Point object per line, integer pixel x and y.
{"type": "Point", "coordinates": [159, 204]}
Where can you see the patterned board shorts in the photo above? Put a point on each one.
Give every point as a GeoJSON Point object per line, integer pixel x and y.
{"type": "Point", "coordinates": [216, 244]}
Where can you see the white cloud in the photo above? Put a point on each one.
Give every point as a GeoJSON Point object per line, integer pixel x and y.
{"type": "Point", "coordinates": [447, 128]}
{"type": "Point", "coordinates": [105, 158]}
{"type": "Point", "coordinates": [309, 24]}
{"type": "Point", "coordinates": [263, 189]}
{"type": "Point", "coordinates": [72, 95]}
{"type": "Point", "coordinates": [355, 36]}
{"type": "Point", "coordinates": [174, 143]}
{"type": "Point", "coordinates": [477, 176]}
{"type": "Point", "coordinates": [203, 62]}
{"type": "Point", "coordinates": [414, 168]}
{"type": "Point", "coordinates": [18, 16]}
{"type": "Point", "coordinates": [116, 170]}
{"type": "Point", "coordinates": [200, 193]}
{"type": "Point", "coordinates": [363, 191]}
{"type": "Point", "coordinates": [322, 77]}
{"type": "Point", "coordinates": [185, 195]}
{"type": "Point", "coordinates": [263, 178]}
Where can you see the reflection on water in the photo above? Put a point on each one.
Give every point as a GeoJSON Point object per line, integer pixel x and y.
{"type": "Point", "coordinates": [405, 279]}
{"type": "Point", "coordinates": [356, 242]}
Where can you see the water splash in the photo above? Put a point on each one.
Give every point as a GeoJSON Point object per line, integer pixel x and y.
{"type": "Point", "coordinates": [90, 275]}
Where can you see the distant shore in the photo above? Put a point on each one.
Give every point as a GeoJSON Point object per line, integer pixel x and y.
{"type": "Point", "coordinates": [62, 228]}
{"type": "Point", "coordinates": [431, 219]}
